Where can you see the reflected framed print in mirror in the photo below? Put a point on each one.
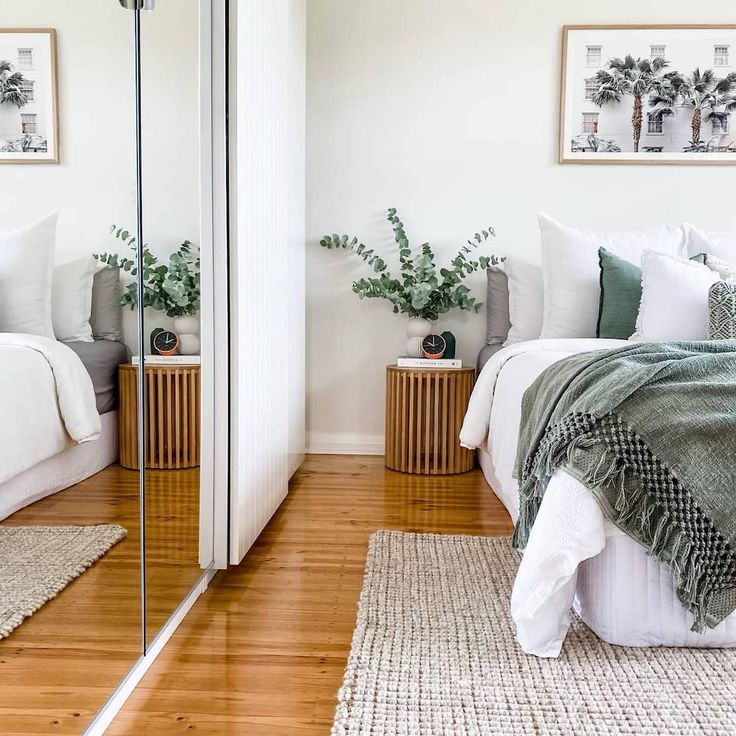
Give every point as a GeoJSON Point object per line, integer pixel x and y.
{"type": "Point", "coordinates": [29, 105]}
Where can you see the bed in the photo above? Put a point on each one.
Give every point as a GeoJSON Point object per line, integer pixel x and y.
{"type": "Point", "coordinates": [575, 558]}
{"type": "Point", "coordinates": [62, 400]}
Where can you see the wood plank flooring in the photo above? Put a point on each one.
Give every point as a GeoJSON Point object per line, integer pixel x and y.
{"type": "Point", "coordinates": [262, 653]}
{"type": "Point", "coordinates": [60, 666]}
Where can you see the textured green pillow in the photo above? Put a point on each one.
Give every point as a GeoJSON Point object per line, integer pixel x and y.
{"type": "Point", "coordinates": [620, 295]}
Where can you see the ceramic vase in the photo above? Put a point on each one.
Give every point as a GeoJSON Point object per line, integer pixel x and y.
{"type": "Point", "coordinates": [187, 330]}
{"type": "Point", "coordinates": [416, 330]}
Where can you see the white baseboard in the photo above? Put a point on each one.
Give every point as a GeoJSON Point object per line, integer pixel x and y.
{"type": "Point", "coordinates": [324, 443]}
{"type": "Point", "coordinates": [112, 707]}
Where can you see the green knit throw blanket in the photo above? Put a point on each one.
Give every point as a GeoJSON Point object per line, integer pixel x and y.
{"type": "Point", "coordinates": [650, 429]}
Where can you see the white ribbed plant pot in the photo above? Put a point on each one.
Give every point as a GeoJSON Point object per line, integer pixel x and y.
{"type": "Point", "coordinates": [187, 330]}
{"type": "Point", "coordinates": [416, 330]}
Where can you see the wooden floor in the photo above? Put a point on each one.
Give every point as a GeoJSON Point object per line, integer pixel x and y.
{"type": "Point", "coordinates": [262, 653]}
{"type": "Point", "coordinates": [60, 666]}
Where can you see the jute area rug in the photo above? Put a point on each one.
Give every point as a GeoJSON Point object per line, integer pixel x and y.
{"type": "Point", "coordinates": [434, 654]}
{"type": "Point", "coordinates": [38, 562]}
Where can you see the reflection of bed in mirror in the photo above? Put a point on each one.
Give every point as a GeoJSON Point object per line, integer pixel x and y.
{"type": "Point", "coordinates": [43, 399]}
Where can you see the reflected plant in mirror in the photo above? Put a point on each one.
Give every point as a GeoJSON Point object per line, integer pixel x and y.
{"type": "Point", "coordinates": [172, 288]}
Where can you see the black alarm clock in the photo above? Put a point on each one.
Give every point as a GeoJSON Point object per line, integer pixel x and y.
{"type": "Point", "coordinates": [433, 346]}
{"type": "Point", "coordinates": [164, 342]}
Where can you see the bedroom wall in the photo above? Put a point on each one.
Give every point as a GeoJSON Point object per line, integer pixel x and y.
{"type": "Point", "coordinates": [93, 185]}
{"type": "Point", "coordinates": [449, 112]}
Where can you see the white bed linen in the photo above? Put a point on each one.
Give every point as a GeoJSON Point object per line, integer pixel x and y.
{"type": "Point", "coordinates": [73, 465]}
{"type": "Point", "coordinates": [47, 400]}
{"type": "Point", "coordinates": [574, 556]}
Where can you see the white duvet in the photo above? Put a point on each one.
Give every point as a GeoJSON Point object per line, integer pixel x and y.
{"type": "Point", "coordinates": [571, 529]}
{"type": "Point", "coordinates": [47, 402]}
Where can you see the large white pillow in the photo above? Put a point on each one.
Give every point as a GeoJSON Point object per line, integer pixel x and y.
{"type": "Point", "coordinates": [526, 300]}
{"type": "Point", "coordinates": [571, 270]}
{"type": "Point", "coordinates": [721, 245]}
{"type": "Point", "coordinates": [674, 299]}
{"type": "Point", "coordinates": [26, 267]}
{"type": "Point", "coordinates": [71, 300]}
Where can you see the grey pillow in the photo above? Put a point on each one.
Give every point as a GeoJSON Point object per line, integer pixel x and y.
{"type": "Point", "coordinates": [497, 306]}
{"type": "Point", "coordinates": [722, 311]}
{"type": "Point", "coordinates": [106, 318]}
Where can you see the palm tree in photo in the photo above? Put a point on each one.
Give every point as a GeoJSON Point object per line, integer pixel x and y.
{"type": "Point", "coordinates": [12, 100]}
{"type": "Point", "coordinates": [699, 92]}
{"type": "Point", "coordinates": [11, 83]}
{"type": "Point", "coordinates": [637, 78]}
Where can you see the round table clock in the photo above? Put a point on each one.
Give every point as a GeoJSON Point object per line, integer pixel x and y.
{"type": "Point", "coordinates": [166, 343]}
{"type": "Point", "coordinates": [433, 346]}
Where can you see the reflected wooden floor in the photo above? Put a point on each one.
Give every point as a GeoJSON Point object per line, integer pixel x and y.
{"type": "Point", "coordinates": [60, 666]}
{"type": "Point", "coordinates": [263, 651]}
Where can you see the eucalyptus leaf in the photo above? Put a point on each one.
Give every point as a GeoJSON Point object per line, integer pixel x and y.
{"type": "Point", "coordinates": [423, 290]}
{"type": "Point", "coordinates": [171, 287]}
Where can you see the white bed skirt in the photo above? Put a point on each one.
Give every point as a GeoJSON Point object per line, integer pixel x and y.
{"type": "Point", "coordinates": [61, 471]}
{"type": "Point", "coordinates": [625, 596]}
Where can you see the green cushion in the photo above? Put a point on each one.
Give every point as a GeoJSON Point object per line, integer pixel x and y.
{"type": "Point", "coordinates": [620, 295]}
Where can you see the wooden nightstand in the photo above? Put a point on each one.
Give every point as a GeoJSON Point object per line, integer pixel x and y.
{"type": "Point", "coordinates": [172, 416]}
{"type": "Point", "coordinates": [424, 413]}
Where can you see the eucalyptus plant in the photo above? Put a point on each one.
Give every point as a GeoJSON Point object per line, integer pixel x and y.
{"type": "Point", "coordinates": [172, 288]}
{"type": "Point", "coordinates": [420, 290]}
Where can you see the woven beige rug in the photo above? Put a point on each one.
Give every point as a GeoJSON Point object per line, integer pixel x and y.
{"type": "Point", "coordinates": [38, 562]}
{"type": "Point", "coordinates": [434, 654]}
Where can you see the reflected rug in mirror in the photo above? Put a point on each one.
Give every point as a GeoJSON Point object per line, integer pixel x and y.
{"type": "Point", "coordinates": [38, 562]}
{"type": "Point", "coordinates": [434, 654]}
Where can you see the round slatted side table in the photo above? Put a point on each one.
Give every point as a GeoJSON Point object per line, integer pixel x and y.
{"type": "Point", "coordinates": [424, 413]}
{"type": "Point", "coordinates": [172, 416]}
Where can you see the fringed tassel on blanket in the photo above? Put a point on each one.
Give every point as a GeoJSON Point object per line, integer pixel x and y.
{"type": "Point", "coordinates": [614, 463]}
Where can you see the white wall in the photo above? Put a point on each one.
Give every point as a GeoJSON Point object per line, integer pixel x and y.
{"type": "Point", "coordinates": [449, 112]}
{"type": "Point", "coordinates": [93, 186]}
{"type": "Point", "coordinates": [266, 260]}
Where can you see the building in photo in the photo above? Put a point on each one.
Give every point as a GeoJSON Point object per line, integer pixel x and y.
{"type": "Point", "coordinates": [26, 94]}
{"type": "Point", "coordinates": [606, 130]}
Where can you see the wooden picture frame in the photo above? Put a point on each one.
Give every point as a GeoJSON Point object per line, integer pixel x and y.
{"type": "Point", "coordinates": [595, 128]}
{"type": "Point", "coordinates": [29, 104]}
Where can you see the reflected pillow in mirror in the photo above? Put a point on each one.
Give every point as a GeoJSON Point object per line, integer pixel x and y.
{"type": "Point", "coordinates": [71, 300]}
{"type": "Point", "coordinates": [107, 314]}
{"type": "Point", "coordinates": [26, 268]}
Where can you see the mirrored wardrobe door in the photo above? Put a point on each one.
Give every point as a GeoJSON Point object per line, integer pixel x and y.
{"type": "Point", "coordinates": [70, 562]}
{"type": "Point", "coordinates": [178, 501]}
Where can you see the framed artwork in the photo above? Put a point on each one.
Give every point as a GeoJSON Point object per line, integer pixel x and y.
{"type": "Point", "coordinates": [642, 94]}
{"type": "Point", "coordinates": [29, 110]}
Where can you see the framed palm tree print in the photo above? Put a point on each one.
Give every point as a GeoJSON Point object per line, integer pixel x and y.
{"type": "Point", "coordinates": [648, 94]}
{"type": "Point", "coordinates": [29, 126]}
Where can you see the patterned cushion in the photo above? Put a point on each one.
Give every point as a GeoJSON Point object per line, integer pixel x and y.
{"type": "Point", "coordinates": [722, 311]}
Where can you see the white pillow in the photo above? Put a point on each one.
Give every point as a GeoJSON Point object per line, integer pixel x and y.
{"type": "Point", "coordinates": [526, 300]}
{"type": "Point", "coordinates": [721, 245]}
{"type": "Point", "coordinates": [71, 300]}
{"type": "Point", "coordinates": [26, 266]}
{"type": "Point", "coordinates": [674, 299]}
{"type": "Point", "coordinates": [571, 270]}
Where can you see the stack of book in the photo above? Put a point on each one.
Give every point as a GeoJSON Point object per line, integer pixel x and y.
{"type": "Point", "coordinates": [168, 360]}
{"type": "Point", "coordinates": [444, 363]}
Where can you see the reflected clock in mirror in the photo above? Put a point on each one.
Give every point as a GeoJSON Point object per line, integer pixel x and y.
{"type": "Point", "coordinates": [165, 342]}
{"type": "Point", "coordinates": [433, 346]}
